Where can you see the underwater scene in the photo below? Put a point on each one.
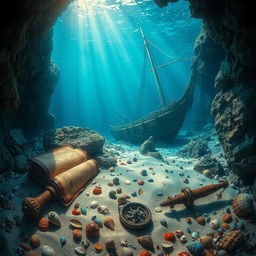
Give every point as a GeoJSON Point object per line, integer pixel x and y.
{"type": "Point", "coordinates": [127, 129]}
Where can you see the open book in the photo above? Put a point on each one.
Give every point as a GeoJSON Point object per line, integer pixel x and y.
{"type": "Point", "coordinates": [67, 170]}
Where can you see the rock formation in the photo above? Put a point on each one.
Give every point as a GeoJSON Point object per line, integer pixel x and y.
{"type": "Point", "coordinates": [231, 23]}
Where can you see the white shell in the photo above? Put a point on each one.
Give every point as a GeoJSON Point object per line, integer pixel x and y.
{"type": "Point", "coordinates": [48, 251]}
{"type": "Point", "coordinates": [54, 218]}
{"type": "Point", "coordinates": [215, 224]}
{"type": "Point", "coordinates": [158, 209]}
{"type": "Point", "coordinates": [167, 245]}
{"type": "Point", "coordinates": [94, 204]}
{"type": "Point", "coordinates": [80, 250]}
{"type": "Point", "coordinates": [127, 182]}
{"type": "Point", "coordinates": [75, 223]}
{"type": "Point", "coordinates": [103, 209]}
{"type": "Point", "coordinates": [183, 239]}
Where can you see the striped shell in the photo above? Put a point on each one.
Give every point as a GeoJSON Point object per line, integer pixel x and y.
{"type": "Point", "coordinates": [43, 224]}
{"type": "Point", "coordinates": [146, 241]}
{"type": "Point", "coordinates": [243, 205]}
{"type": "Point", "coordinates": [207, 242]}
{"type": "Point", "coordinates": [231, 240]}
{"type": "Point", "coordinates": [196, 249]}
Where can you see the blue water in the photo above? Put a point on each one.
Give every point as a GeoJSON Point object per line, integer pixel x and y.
{"type": "Point", "coordinates": [99, 51]}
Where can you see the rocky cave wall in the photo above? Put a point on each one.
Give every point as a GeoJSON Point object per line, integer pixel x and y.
{"type": "Point", "coordinates": [231, 23]}
{"type": "Point", "coordinates": [27, 75]}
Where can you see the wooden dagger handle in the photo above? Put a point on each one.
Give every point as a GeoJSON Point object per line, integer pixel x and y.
{"type": "Point", "coordinates": [32, 206]}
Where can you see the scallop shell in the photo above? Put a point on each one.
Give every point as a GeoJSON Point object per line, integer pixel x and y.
{"type": "Point", "coordinates": [243, 205]}
{"type": "Point", "coordinates": [75, 223]}
{"type": "Point", "coordinates": [34, 241]}
{"type": "Point", "coordinates": [54, 219]}
{"type": "Point", "coordinates": [146, 241]}
{"type": "Point", "coordinates": [48, 251]}
{"type": "Point", "coordinates": [43, 224]}
{"type": "Point", "coordinates": [207, 241]}
{"type": "Point", "coordinates": [231, 240]}
{"type": "Point", "coordinates": [80, 250]}
{"type": "Point", "coordinates": [109, 223]}
{"type": "Point", "coordinates": [196, 249]}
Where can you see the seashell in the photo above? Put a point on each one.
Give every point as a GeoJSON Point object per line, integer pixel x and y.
{"type": "Point", "coordinates": [54, 219]}
{"type": "Point", "coordinates": [200, 220]}
{"type": "Point", "coordinates": [63, 241]}
{"type": "Point", "coordinates": [185, 180]}
{"type": "Point", "coordinates": [144, 172]}
{"type": "Point", "coordinates": [98, 247]}
{"type": "Point", "coordinates": [215, 224]}
{"type": "Point", "coordinates": [92, 229]}
{"type": "Point", "coordinates": [97, 191]}
{"type": "Point", "coordinates": [76, 224]}
{"type": "Point", "coordinates": [183, 239]}
{"type": "Point", "coordinates": [48, 251]}
{"type": "Point", "coordinates": [111, 169]}
{"type": "Point", "coordinates": [76, 211]}
{"type": "Point", "coordinates": [169, 236]}
{"type": "Point", "coordinates": [150, 180]}
{"type": "Point", "coordinates": [178, 233]}
{"type": "Point", "coordinates": [163, 223]}
{"type": "Point", "coordinates": [195, 235]}
{"type": "Point", "coordinates": [134, 194]}
{"type": "Point", "coordinates": [94, 204]}
{"type": "Point", "coordinates": [243, 205]}
{"type": "Point", "coordinates": [123, 242]}
{"type": "Point", "coordinates": [159, 193]}
{"type": "Point", "coordinates": [167, 245]}
{"type": "Point", "coordinates": [80, 250]}
{"type": "Point", "coordinates": [207, 173]}
{"type": "Point", "coordinates": [183, 254]}
{"type": "Point", "coordinates": [83, 211]}
{"type": "Point", "coordinates": [146, 241]}
{"type": "Point", "coordinates": [110, 244]}
{"type": "Point", "coordinates": [109, 223]}
{"type": "Point", "coordinates": [225, 225]}
{"type": "Point", "coordinates": [110, 184]}
{"type": "Point", "coordinates": [207, 241]}
{"type": "Point", "coordinates": [98, 221]}
{"type": "Point", "coordinates": [158, 209]}
{"type": "Point", "coordinates": [43, 224]}
{"type": "Point", "coordinates": [126, 252]}
{"type": "Point", "coordinates": [77, 234]}
{"type": "Point", "coordinates": [103, 209]}
{"type": "Point", "coordinates": [122, 200]}
{"type": "Point", "coordinates": [227, 218]}
{"type": "Point", "coordinates": [118, 190]}
{"type": "Point", "coordinates": [85, 244]}
{"type": "Point", "coordinates": [128, 182]}
{"type": "Point", "coordinates": [116, 181]}
{"type": "Point", "coordinates": [188, 220]}
{"type": "Point", "coordinates": [34, 241]}
{"type": "Point", "coordinates": [122, 163]}
{"type": "Point", "coordinates": [140, 182]}
{"type": "Point", "coordinates": [112, 194]}
{"type": "Point", "coordinates": [231, 240]}
{"type": "Point", "coordinates": [196, 249]}
{"type": "Point", "coordinates": [145, 253]}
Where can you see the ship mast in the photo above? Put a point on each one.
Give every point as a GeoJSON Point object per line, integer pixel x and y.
{"type": "Point", "coordinates": [159, 88]}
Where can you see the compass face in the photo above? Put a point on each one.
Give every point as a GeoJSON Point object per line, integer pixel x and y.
{"type": "Point", "coordinates": [135, 215]}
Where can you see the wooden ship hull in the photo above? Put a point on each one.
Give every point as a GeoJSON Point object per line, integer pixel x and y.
{"type": "Point", "coordinates": [163, 124]}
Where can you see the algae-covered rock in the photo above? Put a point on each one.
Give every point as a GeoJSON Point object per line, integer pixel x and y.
{"type": "Point", "coordinates": [148, 148]}
{"type": "Point", "coordinates": [106, 160]}
{"type": "Point", "coordinates": [209, 162]}
{"type": "Point", "coordinates": [78, 137]}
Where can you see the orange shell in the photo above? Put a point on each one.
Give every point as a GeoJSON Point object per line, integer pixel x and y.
{"type": "Point", "coordinates": [43, 224]}
{"type": "Point", "coordinates": [169, 236]}
{"type": "Point", "coordinates": [34, 241]}
{"type": "Point", "coordinates": [97, 191]}
{"type": "Point", "coordinates": [98, 247]}
{"type": "Point", "coordinates": [145, 253]}
{"type": "Point", "coordinates": [140, 182]}
{"type": "Point", "coordinates": [122, 163]}
{"type": "Point", "coordinates": [188, 220]}
{"type": "Point", "coordinates": [227, 218]}
{"type": "Point", "coordinates": [76, 211]}
{"type": "Point", "coordinates": [200, 220]}
{"type": "Point", "coordinates": [77, 234]}
{"type": "Point", "coordinates": [109, 223]}
{"type": "Point", "coordinates": [225, 225]}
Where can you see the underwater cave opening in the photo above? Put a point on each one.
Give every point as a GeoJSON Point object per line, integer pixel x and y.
{"type": "Point", "coordinates": [99, 51]}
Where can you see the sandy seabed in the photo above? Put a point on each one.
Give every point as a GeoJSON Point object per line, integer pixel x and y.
{"type": "Point", "coordinates": [167, 178]}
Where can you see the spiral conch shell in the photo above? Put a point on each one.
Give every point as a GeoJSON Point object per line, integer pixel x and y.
{"type": "Point", "coordinates": [243, 205]}
{"type": "Point", "coordinates": [231, 240]}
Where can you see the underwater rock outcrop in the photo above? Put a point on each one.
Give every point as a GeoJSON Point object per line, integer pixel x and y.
{"type": "Point", "coordinates": [231, 23]}
{"type": "Point", "coordinates": [148, 148]}
{"type": "Point", "coordinates": [78, 137]}
{"type": "Point", "coordinates": [197, 147]}
{"type": "Point", "coordinates": [209, 162]}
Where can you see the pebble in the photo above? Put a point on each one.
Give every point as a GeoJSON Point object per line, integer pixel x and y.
{"type": "Point", "coordinates": [164, 223]}
{"type": "Point", "coordinates": [140, 182]}
{"type": "Point", "coordinates": [116, 181]}
{"type": "Point", "coordinates": [144, 172]}
{"type": "Point", "coordinates": [128, 182]}
{"type": "Point", "coordinates": [195, 235]}
{"type": "Point", "coordinates": [214, 224]}
{"type": "Point", "coordinates": [150, 180]}
{"type": "Point", "coordinates": [48, 251]}
{"type": "Point", "coordinates": [134, 194]}
{"type": "Point", "coordinates": [186, 180]}
{"type": "Point", "coordinates": [183, 239]}
{"type": "Point", "coordinates": [63, 241]}
{"type": "Point", "coordinates": [112, 194]}
{"type": "Point", "coordinates": [83, 210]}
{"type": "Point", "coordinates": [94, 204]}
{"type": "Point", "coordinates": [98, 221]}
{"type": "Point", "coordinates": [159, 193]}
{"type": "Point", "coordinates": [158, 209]}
